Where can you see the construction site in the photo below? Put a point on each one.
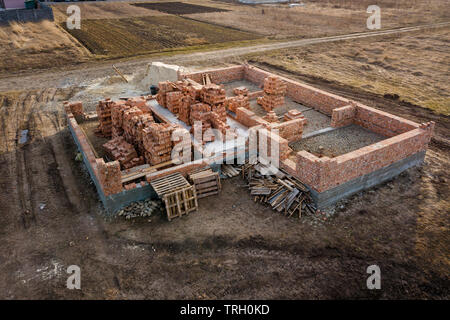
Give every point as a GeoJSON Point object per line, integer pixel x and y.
{"type": "Point", "coordinates": [217, 149]}
{"type": "Point", "coordinates": [326, 147]}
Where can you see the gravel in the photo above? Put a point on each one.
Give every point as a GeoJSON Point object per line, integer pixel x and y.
{"type": "Point", "coordinates": [338, 142]}
{"type": "Point", "coordinates": [141, 209]}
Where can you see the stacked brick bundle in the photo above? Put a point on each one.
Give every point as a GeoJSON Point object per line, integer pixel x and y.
{"type": "Point", "coordinates": [184, 113]}
{"type": "Point", "coordinates": [110, 176]}
{"type": "Point", "coordinates": [164, 88]}
{"type": "Point", "coordinates": [274, 91]}
{"type": "Point", "coordinates": [157, 142]}
{"type": "Point", "coordinates": [174, 101]}
{"type": "Point", "coordinates": [130, 120]}
{"type": "Point", "coordinates": [218, 123]}
{"type": "Point", "coordinates": [240, 91]}
{"type": "Point", "coordinates": [271, 116]}
{"type": "Point", "coordinates": [213, 94]}
{"type": "Point", "coordinates": [120, 150]}
{"type": "Point", "coordinates": [117, 111]}
{"type": "Point", "coordinates": [233, 103]}
{"type": "Point", "coordinates": [104, 117]}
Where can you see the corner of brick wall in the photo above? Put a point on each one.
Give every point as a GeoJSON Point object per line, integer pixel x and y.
{"type": "Point", "coordinates": [291, 130]}
{"type": "Point", "coordinates": [343, 116]}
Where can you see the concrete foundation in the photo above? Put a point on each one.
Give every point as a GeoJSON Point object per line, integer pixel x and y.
{"type": "Point", "coordinates": [331, 196]}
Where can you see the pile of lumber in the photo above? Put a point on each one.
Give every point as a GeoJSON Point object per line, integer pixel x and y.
{"type": "Point", "coordinates": [206, 182]}
{"type": "Point", "coordinates": [281, 191]}
{"type": "Point", "coordinates": [230, 171]}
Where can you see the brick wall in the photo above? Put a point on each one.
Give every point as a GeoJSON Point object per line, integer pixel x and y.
{"type": "Point", "coordinates": [299, 92]}
{"type": "Point", "coordinates": [382, 122]}
{"type": "Point", "coordinates": [249, 118]}
{"type": "Point", "coordinates": [291, 130]}
{"type": "Point", "coordinates": [324, 173]}
{"type": "Point", "coordinates": [343, 116]}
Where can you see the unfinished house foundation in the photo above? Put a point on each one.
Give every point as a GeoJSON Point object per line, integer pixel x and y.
{"type": "Point", "coordinates": [334, 146]}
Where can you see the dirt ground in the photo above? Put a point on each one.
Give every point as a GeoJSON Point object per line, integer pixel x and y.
{"type": "Point", "coordinates": [51, 218]}
{"type": "Point", "coordinates": [323, 18]}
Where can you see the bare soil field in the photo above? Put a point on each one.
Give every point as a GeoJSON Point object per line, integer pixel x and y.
{"type": "Point", "coordinates": [132, 36]}
{"type": "Point", "coordinates": [324, 18]}
{"type": "Point", "coordinates": [413, 67]}
{"type": "Point", "coordinates": [103, 10]}
{"type": "Point", "coordinates": [177, 7]}
{"type": "Point", "coordinates": [39, 45]}
{"type": "Point", "coordinates": [51, 218]}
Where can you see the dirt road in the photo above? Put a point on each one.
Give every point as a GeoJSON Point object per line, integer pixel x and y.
{"type": "Point", "coordinates": [74, 75]}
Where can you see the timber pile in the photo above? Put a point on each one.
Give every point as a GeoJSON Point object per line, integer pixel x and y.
{"type": "Point", "coordinates": [206, 182]}
{"type": "Point", "coordinates": [230, 171]}
{"type": "Point", "coordinates": [282, 192]}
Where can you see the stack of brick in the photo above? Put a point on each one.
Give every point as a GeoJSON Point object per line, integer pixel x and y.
{"type": "Point", "coordinates": [200, 112]}
{"type": "Point", "coordinates": [240, 91]}
{"type": "Point", "coordinates": [164, 88]}
{"type": "Point", "coordinates": [220, 111]}
{"type": "Point", "coordinates": [120, 150]}
{"type": "Point", "coordinates": [130, 120]}
{"type": "Point", "coordinates": [232, 103]}
{"type": "Point", "coordinates": [213, 94]}
{"type": "Point", "coordinates": [294, 114]}
{"type": "Point", "coordinates": [157, 143]}
{"type": "Point", "coordinates": [104, 117]}
{"type": "Point", "coordinates": [117, 111]}
{"type": "Point", "coordinates": [110, 176]}
{"type": "Point", "coordinates": [185, 109]}
{"type": "Point", "coordinates": [271, 116]}
{"type": "Point", "coordinates": [274, 91]}
{"type": "Point", "coordinates": [174, 101]}
{"type": "Point", "coordinates": [218, 123]}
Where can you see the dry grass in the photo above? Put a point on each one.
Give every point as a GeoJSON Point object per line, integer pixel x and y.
{"type": "Point", "coordinates": [413, 66]}
{"type": "Point", "coordinates": [35, 46]}
{"type": "Point", "coordinates": [105, 10]}
{"type": "Point", "coordinates": [323, 18]}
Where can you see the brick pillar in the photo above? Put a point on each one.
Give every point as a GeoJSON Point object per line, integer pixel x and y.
{"type": "Point", "coordinates": [110, 176]}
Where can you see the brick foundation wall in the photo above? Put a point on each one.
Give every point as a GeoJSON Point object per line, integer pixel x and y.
{"type": "Point", "coordinates": [381, 122]}
{"type": "Point", "coordinates": [324, 173]}
{"type": "Point", "coordinates": [249, 118]}
{"type": "Point", "coordinates": [221, 75]}
{"type": "Point", "coordinates": [291, 130]}
{"type": "Point", "coordinates": [343, 116]}
{"type": "Point", "coordinates": [299, 92]}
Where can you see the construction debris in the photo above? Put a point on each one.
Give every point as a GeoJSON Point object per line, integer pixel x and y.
{"type": "Point", "coordinates": [230, 171]}
{"type": "Point", "coordinates": [281, 191]}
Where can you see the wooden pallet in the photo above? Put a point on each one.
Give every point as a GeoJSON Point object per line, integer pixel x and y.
{"type": "Point", "coordinates": [207, 182]}
{"type": "Point", "coordinates": [178, 195]}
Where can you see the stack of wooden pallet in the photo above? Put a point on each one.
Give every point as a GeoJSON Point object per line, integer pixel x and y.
{"type": "Point", "coordinates": [206, 182]}
{"type": "Point", "coordinates": [230, 171]}
{"type": "Point", "coordinates": [281, 191]}
{"type": "Point", "coordinates": [177, 194]}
